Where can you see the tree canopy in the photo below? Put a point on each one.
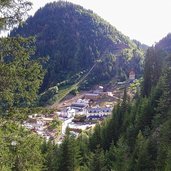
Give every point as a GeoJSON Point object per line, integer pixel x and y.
{"type": "Point", "coordinates": [13, 12]}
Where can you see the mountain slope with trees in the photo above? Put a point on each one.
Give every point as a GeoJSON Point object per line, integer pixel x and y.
{"type": "Point", "coordinates": [74, 39]}
{"type": "Point", "coordinates": [165, 43]}
{"type": "Point", "coordinates": [137, 137]}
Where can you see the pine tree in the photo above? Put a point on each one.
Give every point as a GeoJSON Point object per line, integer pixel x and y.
{"type": "Point", "coordinates": [85, 155]}
{"type": "Point", "coordinates": [147, 82]}
{"type": "Point", "coordinates": [96, 138]}
{"type": "Point", "coordinates": [98, 162]}
{"type": "Point", "coordinates": [120, 152]}
{"type": "Point", "coordinates": [69, 155]}
{"type": "Point", "coordinates": [152, 69]}
{"type": "Point", "coordinates": [165, 99]}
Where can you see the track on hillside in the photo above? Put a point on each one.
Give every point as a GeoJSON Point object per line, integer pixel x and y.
{"type": "Point", "coordinates": [63, 93]}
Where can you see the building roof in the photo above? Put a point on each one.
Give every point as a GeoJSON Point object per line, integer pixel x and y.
{"type": "Point", "coordinates": [97, 109]}
{"type": "Point", "coordinates": [91, 94]}
{"type": "Point", "coordinates": [80, 105]}
{"type": "Point", "coordinates": [100, 87]}
{"type": "Point", "coordinates": [94, 116]}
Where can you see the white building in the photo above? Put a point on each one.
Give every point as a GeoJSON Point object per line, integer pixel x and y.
{"type": "Point", "coordinates": [132, 75]}
{"type": "Point", "coordinates": [99, 111]}
{"type": "Point", "coordinates": [65, 124]}
{"type": "Point", "coordinates": [98, 90]}
{"type": "Point", "coordinates": [68, 112]}
{"type": "Point", "coordinates": [80, 107]}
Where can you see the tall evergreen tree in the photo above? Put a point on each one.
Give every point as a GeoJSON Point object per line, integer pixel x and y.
{"type": "Point", "coordinates": [152, 69]}
{"type": "Point", "coordinates": [98, 162]}
{"type": "Point", "coordinates": [165, 99]}
{"type": "Point", "coordinates": [69, 155]}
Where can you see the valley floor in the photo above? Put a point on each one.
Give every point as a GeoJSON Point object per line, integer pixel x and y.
{"type": "Point", "coordinates": [78, 113]}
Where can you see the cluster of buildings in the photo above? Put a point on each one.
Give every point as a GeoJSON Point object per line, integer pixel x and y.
{"type": "Point", "coordinates": [80, 115]}
{"type": "Point", "coordinates": [83, 114]}
{"type": "Point", "coordinates": [41, 125]}
{"type": "Point", "coordinates": [84, 109]}
{"type": "Point", "coordinates": [77, 116]}
{"type": "Point", "coordinates": [85, 106]}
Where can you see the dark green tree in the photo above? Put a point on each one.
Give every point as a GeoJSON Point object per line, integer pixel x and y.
{"type": "Point", "coordinates": [69, 155]}
{"type": "Point", "coordinates": [152, 69]}
{"type": "Point", "coordinates": [165, 99]}
{"type": "Point", "coordinates": [98, 162]}
{"type": "Point", "coordinates": [20, 77]}
{"type": "Point", "coordinates": [20, 150]}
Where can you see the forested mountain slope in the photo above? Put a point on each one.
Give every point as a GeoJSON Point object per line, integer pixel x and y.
{"type": "Point", "coordinates": [165, 43]}
{"type": "Point", "coordinates": [74, 38]}
{"type": "Point", "coordinates": [136, 138]}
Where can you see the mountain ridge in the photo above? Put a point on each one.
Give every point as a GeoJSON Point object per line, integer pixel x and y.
{"type": "Point", "coordinates": [74, 38]}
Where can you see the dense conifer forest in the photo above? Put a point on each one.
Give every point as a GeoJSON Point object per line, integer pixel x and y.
{"type": "Point", "coordinates": [136, 138]}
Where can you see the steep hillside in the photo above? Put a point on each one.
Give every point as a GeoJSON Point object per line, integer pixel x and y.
{"type": "Point", "coordinates": [140, 45]}
{"type": "Point", "coordinates": [74, 39]}
{"type": "Point", "coordinates": [165, 43]}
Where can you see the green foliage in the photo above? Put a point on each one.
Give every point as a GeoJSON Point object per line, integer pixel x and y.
{"type": "Point", "coordinates": [20, 77]}
{"type": "Point", "coordinates": [165, 99]}
{"type": "Point", "coordinates": [74, 39]}
{"type": "Point", "coordinates": [152, 69]}
{"type": "Point", "coordinates": [137, 136]}
{"type": "Point", "coordinates": [55, 124]}
{"type": "Point", "coordinates": [98, 161]}
{"type": "Point", "coordinates": [165, 43]}
{"type": "Point", "coordinates": [20, 150]}
{"type": "Point", "coordinates": [120, 156]}
{"type": "Point", "coordinates": [48, 97]}
{"type": "Point", "coordinates": [69, 155]}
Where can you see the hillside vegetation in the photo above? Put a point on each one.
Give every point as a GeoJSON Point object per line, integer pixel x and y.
{"type": "Point", "coordinates": [74, 39]}
{"type": "Point", "coordinates": [136, 138]}
{"type": "Point", "coordinates": [165, 43]}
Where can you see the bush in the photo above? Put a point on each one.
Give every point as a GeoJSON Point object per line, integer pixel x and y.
{"type": "Point", "coordinates": [48, 96]}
